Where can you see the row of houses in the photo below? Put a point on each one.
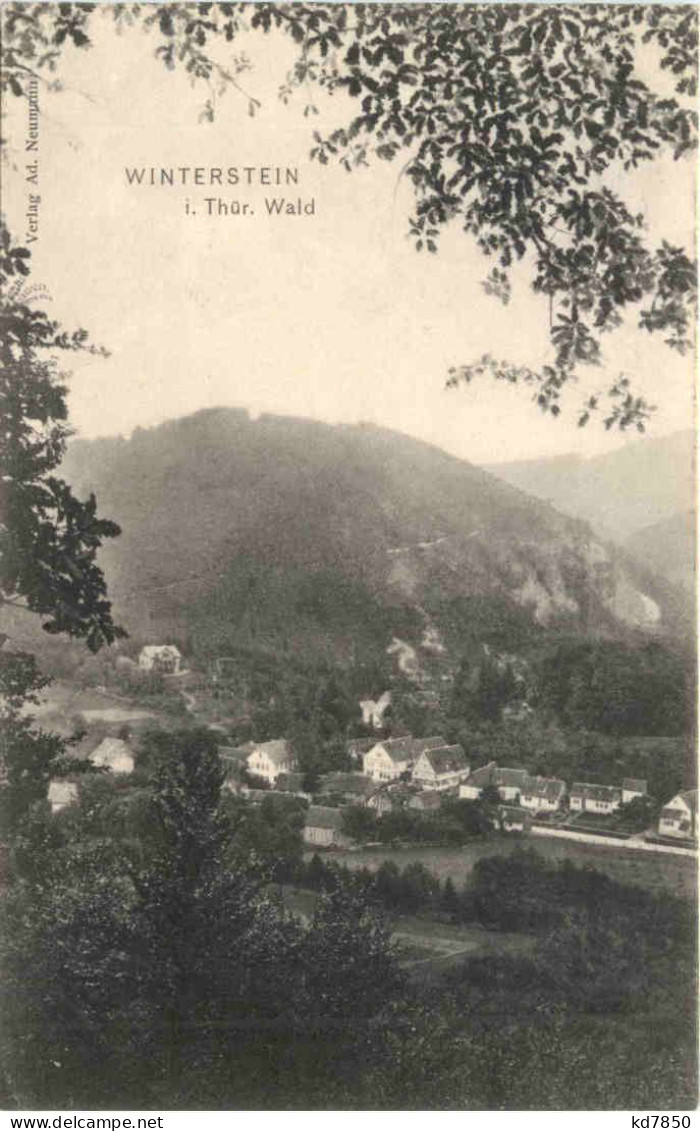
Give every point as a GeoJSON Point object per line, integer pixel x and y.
{"type": "Point", "coordinates": [543, 794]}
{"type": "Point", "coordinates": [433, 767]}
{"type": "Point", "coordinates": [437, 766]}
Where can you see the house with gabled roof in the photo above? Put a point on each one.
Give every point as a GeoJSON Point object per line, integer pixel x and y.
{"type": "Point", "coordinates": [511, 819]}
{"type": "Point", "coordinates": [587, 797]}
{"type": "Point", "coordinates": [543, 795]}
{"type": "Point", "coordinates": [509, 781]}
{"type": "Point", "coordinates": [633, 787]}
{"type": "Point", "coordinates": [115, 755]}
{"type": "Point", "coordinates": [323, 827]}
{"type": "Point", "coordinates": [441, 768]}
{"type": "Point", "coordinates": [480, 779]}
{"type": "Point", "coordinates": [353, 788]}
{"type": "Point", "coordinates": [270, 759]}
{"type": "Point", "coordinates": [392, 757]}
{"type": "Point", "coordinates": [679, 817]}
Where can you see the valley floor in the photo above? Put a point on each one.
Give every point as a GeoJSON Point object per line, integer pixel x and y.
{"type": "Point", "coordinates": [677, 874]}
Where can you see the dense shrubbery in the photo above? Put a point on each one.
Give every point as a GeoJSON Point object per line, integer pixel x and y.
{"type": "Point", "coordinates": [455, 822]}
{"type": "Point", "coordinates": [518, 892]}
{"type": "Point", "coordinates": [149, 962]}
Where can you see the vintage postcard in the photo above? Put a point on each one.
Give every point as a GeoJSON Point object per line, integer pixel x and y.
{"type": "Point", "coordinates": [347, 597]}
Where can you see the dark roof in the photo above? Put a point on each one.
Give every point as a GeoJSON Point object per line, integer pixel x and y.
{"type": "Point", "coordinates": [277, 750]}
{"type": "Point", "coordinates": [597, 792]}
{"type": "Point", "coordinates": [447, 759]}
{"type": "Point", "coordinates": [420, 745]}
{"type": "Point", "coordinates": [234, 753]}
{"type": "Point", "coordinates": [690, 796]}
{"type": "Point", "coordinates": [513, 813]}
{"type": "Point", "coordinates": [408, 748]}
{"type": "Point", "coordinates": [322, 817]}
{"type": "Point", "coordinates": [549, 788]}
{"type": "Point", "coordinates": [482, 776]}
{"type": "Point", "coordinates": [356, 784]}
{"type": "Point", "coordinates": [634, 785]}
{"type": "Point", "coordinates": [505, 776]}
{"type": "Point", "coordinates": [289, 783]}
{"type": "Point", "coordinates": [257, 794]}
{"type": "Point", "coordinates": [398, 749]}
{"type": "Point", "coordinates": [360, 745]}
{"type": "Point", "coordinates": [428, 799]}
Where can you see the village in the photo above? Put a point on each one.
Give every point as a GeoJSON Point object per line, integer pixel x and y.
{"type": "Point", "coordinates": [415, 776]}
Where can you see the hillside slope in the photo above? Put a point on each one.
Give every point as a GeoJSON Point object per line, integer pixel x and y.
{"type": "Point", "coordinates": [645, 482]}
{"type": "Point", "coordinates": [289, 534]}
{"type": "Point", "coordinates": [669, 548]}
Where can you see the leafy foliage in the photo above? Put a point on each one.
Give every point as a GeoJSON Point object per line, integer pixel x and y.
{"type": "Point", "coordinates": [28, 754]}
{"type": "Point", "coordinates": [49, 538]}
{"type": "Point", "coordinates": [513, 121]}
{"type": "Point", "coordinates": [159, 970]}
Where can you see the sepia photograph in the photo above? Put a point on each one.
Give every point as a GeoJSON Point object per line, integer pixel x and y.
{"type": "Point", "coordinates": [348, 662]}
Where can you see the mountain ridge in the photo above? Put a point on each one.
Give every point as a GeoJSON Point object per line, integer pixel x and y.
{"type": "Point", "coordinates": [281, 529]}
{"type": "Point", "coordinates": [620, 492]}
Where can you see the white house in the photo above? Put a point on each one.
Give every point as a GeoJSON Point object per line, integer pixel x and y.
{"type": "Point", "coordinates": [679, 817]}
{"type": "Point", "coordinates": [270, 759]}
{"type": "Point", "coordinates": [442, 768]}
{"type": "Point", "coordinates": [115, 755]}
{"type": "Point", "coordinates": [542, 795]}
{"type": "Point", "coordinates": [61, 794]}
{"type": "Point", "coordinates": [511, 819]}
{"type": "Point", "coordinates": [631, 788]}
{"type": "Point", "coordinates": [508, 781]}
{"type": "Point", "coordinates": [373, 710]}
{"type": "Point", "coordinates": [323, 827]}
{"type": "Point", "coordinates": [163, 658]}
{"type": "Point", "coordinates": [389, 759]}
{"type": "Point", "coordinates": [588, 798]}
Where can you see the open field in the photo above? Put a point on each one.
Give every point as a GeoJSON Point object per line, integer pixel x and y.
{"type": "Point", "coordinates": [677, 874]}
{"type": "Point", "coordinates": [62, 704]}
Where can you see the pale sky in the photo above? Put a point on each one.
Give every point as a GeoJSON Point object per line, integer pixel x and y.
{"type": "Point", "coordinates": [333, 316]}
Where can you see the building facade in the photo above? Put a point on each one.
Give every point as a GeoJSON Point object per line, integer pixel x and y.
{"type": "Point", "coordinates": [392, 757]}
{"type": "Point", "coordinates": [587, 797]}
{"type": "Point", "coordinates": [679, 818]}
{"type": "Point", "coordinates": [543, 795]}
{"type": "Point", "coordinates": [268, 760]}
{"type": "Point", "coordinates": [442, 768]}
{"type": "Point", "coordinates": [323, 828]}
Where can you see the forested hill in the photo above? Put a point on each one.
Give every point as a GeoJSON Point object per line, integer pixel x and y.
{"type": "Point", "coordinates": [285, 533]}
